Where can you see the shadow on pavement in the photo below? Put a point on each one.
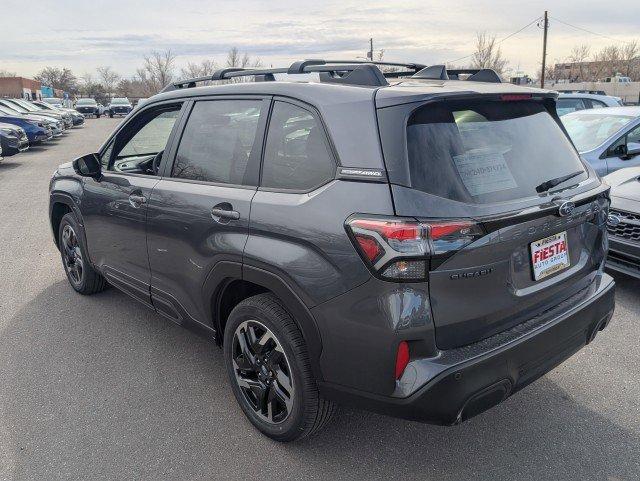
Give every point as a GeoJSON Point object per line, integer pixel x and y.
{"type": "Point", "coordinates": [101, 387]}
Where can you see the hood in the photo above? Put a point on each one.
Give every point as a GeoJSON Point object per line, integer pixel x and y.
{"type": "Point", "coordinates": [42, 113]}
{"type": "Point", "coordinates": [625, 183]}
{"type": "Point", "coordinates": [37, 118]}
{"type": "Point", "coordinates": [9, 126]}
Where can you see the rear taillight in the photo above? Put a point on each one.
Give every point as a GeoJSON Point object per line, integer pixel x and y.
{"type": "Point", "coordinates": [399, 248]}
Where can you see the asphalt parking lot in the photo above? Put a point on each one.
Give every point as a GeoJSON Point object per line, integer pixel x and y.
{"type": "Point", "coordinates": [101, 387]}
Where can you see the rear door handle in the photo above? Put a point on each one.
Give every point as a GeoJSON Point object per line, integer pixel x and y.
{"type": "Point", "coordinates": [224, 214]}
{"type": "Point", "coordinates": [137, 200]}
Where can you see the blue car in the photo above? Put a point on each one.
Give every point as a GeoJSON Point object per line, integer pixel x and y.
{"type": "Point", "coordinates": [35, 127]}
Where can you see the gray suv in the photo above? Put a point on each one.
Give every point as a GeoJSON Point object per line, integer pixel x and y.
{"type": "Point", "coordinates": [421, 243]}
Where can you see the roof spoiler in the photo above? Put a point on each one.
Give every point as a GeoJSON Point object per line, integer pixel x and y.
{"type": "Point", "coordinates": [440, 72]}
{"type": "Point", "coordinates": [348, 72]}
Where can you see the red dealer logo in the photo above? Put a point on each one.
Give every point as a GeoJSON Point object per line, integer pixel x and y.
{"type": "Point", "coordinates": [550, 251]}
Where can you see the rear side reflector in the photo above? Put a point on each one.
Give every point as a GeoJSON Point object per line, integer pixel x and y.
{"type": "Point", "coordinates": [402, 358]}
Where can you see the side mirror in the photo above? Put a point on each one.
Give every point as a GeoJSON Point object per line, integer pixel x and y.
{"type": "Point", "coordinates": [632, 149]}
{"type": "Point", "coordinates": [88, 166]}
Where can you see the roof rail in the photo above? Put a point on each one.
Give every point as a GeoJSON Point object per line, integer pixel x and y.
{"type": "Point", "coordinates": [440, 72]}
{"type": "Point", "coordinates": [367, 73]}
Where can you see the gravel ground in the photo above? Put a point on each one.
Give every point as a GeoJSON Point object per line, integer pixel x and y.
{"type": "Point", "coordinates": [101, 387]}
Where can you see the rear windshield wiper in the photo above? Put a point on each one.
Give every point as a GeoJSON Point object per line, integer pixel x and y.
{"type": "Point", "coordinates": [550, 184]}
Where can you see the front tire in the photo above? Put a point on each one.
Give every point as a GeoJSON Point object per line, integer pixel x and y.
{"type": "Point", "coordinates": [82, 277]}
{"type": "Point", "coordinates": [270, 373]}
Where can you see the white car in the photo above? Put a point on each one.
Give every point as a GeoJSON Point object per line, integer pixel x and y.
{"type": "Point", "coordinates": [572, 102]}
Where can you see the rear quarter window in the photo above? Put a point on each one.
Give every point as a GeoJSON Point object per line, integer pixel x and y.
{"type": "Point", "coordinates": [297, 155]}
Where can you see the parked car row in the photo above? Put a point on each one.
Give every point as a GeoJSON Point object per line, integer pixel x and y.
{"type": "Point", "coordinates": [91, 108]}
{"type": "Point", "coordinates": [24, 123]}
{"type": "Point", "coordinates": [609, 140]}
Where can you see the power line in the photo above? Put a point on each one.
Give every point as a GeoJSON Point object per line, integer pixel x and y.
{"type": "Point", "coordinates": [499, 41]}
{"type": "Point", "coordinates": [589, 31]}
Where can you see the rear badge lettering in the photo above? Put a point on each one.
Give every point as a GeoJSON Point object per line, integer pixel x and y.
{"type": "Point", "coordinates": [472, 274]}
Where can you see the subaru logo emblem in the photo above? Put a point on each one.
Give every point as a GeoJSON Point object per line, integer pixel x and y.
{"type": "Point", "coordinates": [613, 220]}
{"type": "Point", "coordinates": [566, 209]}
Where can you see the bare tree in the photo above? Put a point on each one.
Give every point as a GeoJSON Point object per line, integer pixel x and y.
{"type": "Point", "coordinates": [630, 61]}
{"type": "Point", "coordinates": [157, 71]}
{"type": "Point", "coordinates": [6, 73]}
{"type": "Point", "coordinates": [235, 59]}
{"type": "Point", "coordinates": [579, 55]}
{"type": "Point", "coordinates": [58, 78]}
{"type": "Point", "coordinates": [203, 69]}
{"type": "Point", "coordinates": [108, 78]}
{"type": "Point", "coordinates": [488, 54]}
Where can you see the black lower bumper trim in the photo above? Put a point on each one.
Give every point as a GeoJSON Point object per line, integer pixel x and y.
{"type": "Point", "coordinates": [624, 256]}
{"type": "Point", "coordinates": [474, 385]}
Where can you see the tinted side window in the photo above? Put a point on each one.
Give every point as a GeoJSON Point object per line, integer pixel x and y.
{"type": "Point", "coordinates": [596, 104]}
{"type": "Point", "coordinates": [565, 106]}
{"type": "Point", "coordinates": [136, 146]}
{"type": "Point", "coordinates": [297, 155]}
{"type": "Point", "coordinates": [218, 141]}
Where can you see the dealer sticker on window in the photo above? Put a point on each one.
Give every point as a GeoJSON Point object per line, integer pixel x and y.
{"type": "Point", "coordinates": [484, 172]}
{"type": "Point", "coordinates": [549, 255]}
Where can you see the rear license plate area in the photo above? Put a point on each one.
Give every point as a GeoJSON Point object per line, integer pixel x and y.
{"type": "Point", "coordinates": [549, 255]}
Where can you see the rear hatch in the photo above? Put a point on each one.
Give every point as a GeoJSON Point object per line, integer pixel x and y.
{"type": "Point", "coordinates": [531, 215]}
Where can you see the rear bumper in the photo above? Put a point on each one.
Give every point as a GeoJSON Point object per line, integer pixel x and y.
{"type": "Point", "coordinates": [624, 256]}
{"type": "Point", "coordinates": [463, 382]}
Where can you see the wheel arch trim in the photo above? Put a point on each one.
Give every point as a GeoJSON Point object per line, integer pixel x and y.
{"type": "Point", "coordinates": [224, 272]}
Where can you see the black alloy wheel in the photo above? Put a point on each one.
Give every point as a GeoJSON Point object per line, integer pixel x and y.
{"type": "Point", "coordinates": [72, 255]}
{"type": "Point", "coordinates": [263, 372]}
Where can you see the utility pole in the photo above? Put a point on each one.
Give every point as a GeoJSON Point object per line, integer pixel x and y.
{"type": "Point", "coordinates": [370, 53]}
{"type": "Point", "coordinates": [544, 48]}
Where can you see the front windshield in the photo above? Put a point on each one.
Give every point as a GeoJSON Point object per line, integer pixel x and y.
{"type": "Point", "coordinates": [590, 130]}
{"type": "Point", "coordinates": [7, 111]}
{"type": "Point", "coordinates": [86, 102]}
{"type": "Point", "coordinates": [27, 106]}
{"type": "Point", "coordinates": [17, 108]}
{"type": "Point", "coordinates": [120, 102]}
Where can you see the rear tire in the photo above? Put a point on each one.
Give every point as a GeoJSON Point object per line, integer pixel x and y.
{"type": "Point", "coordinates": [270, 373]}
{"type": "Point", "coordinates": [82, 277]}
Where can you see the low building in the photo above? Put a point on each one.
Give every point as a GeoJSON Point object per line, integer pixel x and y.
{"type": "Point", "coordinates": [20, 87]}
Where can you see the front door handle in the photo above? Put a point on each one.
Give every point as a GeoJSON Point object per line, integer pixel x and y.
{"type": "Point", "coordinates": [218, 214]}
{"type": "Point", "coordinates": [137, 200]}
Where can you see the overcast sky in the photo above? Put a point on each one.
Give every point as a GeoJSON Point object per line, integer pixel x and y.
{"type": "Point", "coordinates": [85, 34]}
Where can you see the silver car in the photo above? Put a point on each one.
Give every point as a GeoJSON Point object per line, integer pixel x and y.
{"type": "Point", "coordinates": [572, 102]}
{"type": "Point", "coordinates": [607, 138]}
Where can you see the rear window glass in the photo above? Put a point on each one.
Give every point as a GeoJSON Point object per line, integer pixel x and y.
{"type": "Point", "coordinates": [487, 152]}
